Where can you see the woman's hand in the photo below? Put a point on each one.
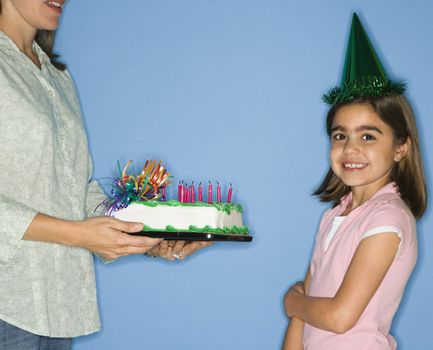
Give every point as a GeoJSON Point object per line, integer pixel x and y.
{"type": "Point", "coordinates": [289, 299]}
{"type": "Point", "coordinates": [177, 250]}
{"type": "Point", "coordinates": [108, 237]}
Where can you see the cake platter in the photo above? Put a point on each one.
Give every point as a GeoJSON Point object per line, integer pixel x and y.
{"type": "Point", "coordinates": [194, 236]}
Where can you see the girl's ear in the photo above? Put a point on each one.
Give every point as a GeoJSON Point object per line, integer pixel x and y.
{"type": "Point", "coordinates": [401, 150]}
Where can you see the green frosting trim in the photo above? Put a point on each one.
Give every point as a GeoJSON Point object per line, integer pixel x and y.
{"type": "Point", "coordinates": [234, 230]}
{"type": "Point", "coordinates": [224, 207]}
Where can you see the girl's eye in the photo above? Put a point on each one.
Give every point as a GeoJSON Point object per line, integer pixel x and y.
{"type": "Point", "coordinates": [368, 137]}
{"type": "Point", "coordinates": [338, 137]}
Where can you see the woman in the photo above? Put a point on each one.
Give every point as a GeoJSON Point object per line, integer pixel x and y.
{"type": "Point", "coordinates": [46, 200]}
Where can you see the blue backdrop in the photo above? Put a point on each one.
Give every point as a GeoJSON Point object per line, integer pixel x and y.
{"type": "Point", "coordinates": [231, 91]}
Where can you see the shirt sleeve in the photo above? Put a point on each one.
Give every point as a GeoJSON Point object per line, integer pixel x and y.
{"type": "Point", "coordinates": [392, 218]}
{"type": "Point", "coordinates": [94, 205]}
{"type": "Point", "coordinates": [15, 218]}
{"type": "Point", "coordinates": [95, 197]}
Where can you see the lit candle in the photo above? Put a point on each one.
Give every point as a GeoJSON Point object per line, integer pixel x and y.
{"type": "Point", "coordinates": [200, 193]}
{"type": "Point", "coordinates": [218, 192]}
{"type": "Point", "coordinates": [209, 193]}
{"type": "Point", "coordinates": [192, 194]}
{"type": "Point", "coordinates": [163, 193]}
{"type": "Point", "coordinates": [229, 195]}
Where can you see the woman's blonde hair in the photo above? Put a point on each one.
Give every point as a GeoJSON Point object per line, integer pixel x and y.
{"type": "Point", "coordinates": [45, 39]}
{"type": "Point", "coordinates": [408, 173]}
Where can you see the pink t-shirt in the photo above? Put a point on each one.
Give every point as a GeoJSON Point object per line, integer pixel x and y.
{"type": "Point", "coordinates": [384, 212]}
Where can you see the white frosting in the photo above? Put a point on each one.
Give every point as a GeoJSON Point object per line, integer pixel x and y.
{"type": "Point", "coordinates": [180, 217]}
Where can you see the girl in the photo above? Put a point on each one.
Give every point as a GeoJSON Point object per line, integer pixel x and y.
{"type": "Point", "coordinates": [46, 236]}
{"type": "Point", "coordinates": [366, 246]}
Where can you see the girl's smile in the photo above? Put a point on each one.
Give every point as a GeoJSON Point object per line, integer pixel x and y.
{"type": "Point", "coordinates": [353, 166]}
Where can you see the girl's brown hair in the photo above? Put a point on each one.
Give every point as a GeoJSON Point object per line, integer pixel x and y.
{"type": "Point", "coordinates": [45, 39]}
{"type": "Point", "coordinates": [408, 174]}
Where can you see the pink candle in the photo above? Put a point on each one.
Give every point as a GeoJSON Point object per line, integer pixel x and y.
{"type": "Point", "coordinates": [218, 192]}
{"type": "Point", "coordinates": [163, 193]}
{"type": "Point", "coordinates": [185, 193]}
{"type": "Point", "coordinates": [192, 194]}
{"type": "Point", "coordinates": [200, 193]}
{"type": "Point", "coordinates": [209, 193]}
{"type": "Point", "coordinates": [179, 192]}
{"type": "Point", "coordinates": [229, 195]}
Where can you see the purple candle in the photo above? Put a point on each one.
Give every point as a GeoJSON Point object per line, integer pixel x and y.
{"type": "Point", "coordinates": [229, 195]}
{"type": "Point", "coordinates": [163, 193]}
{"type": "Point", "coordinates": [200, 193]}
{"type": "Point", "coordinates": [218, 192]}
{"type": "Point", "coordinates": [209, 193]}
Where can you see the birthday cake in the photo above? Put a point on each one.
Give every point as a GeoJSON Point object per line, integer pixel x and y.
{"type": "Point", "coordinates": [143, 199]}
{"type": "Point", "coordinates": [175, 216]}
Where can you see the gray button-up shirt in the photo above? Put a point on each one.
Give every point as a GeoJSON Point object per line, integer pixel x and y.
{"type": "Point", "coordinates": [45, 288]}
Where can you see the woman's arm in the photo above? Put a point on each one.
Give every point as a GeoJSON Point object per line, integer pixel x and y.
{"type": "Point", "coordinates": [366, 271]}
{"type": "Point", "coordinates": [107, 237]}
{"type": "Point", "coordinates": [104, 236]}
{"type": "Point", "coordinates": [295, 330]}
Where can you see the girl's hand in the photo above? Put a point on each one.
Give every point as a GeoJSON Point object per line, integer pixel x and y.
{"type": "Point", "coordinates": [177, 250]}
{"type": "Point", "coordinates": [108, 237]}
{"type": "Point", "coordinates": [299, 287]}
{"type": "Point", "coordinates": [289, 299]}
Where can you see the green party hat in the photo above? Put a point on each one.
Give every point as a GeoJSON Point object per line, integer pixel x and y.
{"type": "Point", "coordinates": [363, 74]}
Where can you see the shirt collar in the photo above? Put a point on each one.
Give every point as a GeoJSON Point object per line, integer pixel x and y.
{"type": "Point", "coordinates": [379, 197]}
{"type": "Point", "coordinates": [43, 57]}
{"type": "Point", "coordinates": [7, 44]}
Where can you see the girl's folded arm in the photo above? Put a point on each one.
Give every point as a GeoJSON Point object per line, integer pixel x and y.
{"type": "Point", "coordinates": [366, 271]}
{"type": "Point", "coordinates": [295, 330]}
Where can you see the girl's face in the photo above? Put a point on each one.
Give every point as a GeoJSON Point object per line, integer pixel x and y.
{"type": "Point", "coordinates": [363, 150]}
{"type": "Point", "coordinates": [35, 14]}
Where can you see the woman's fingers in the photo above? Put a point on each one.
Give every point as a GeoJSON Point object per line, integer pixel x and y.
{"type": "Point", "coordinates": [109, 237]}
{"type": "Point", "coordinates": [192, 247]}
{"type": "Point", "coordinates": [171, 250]}
{"type": "Point", "coordinates": [126, 226]}
{"type": "Point", "coordinates": [178, 246]}
{"type": "Point", "coordinates": [139, 241]}
{"type": "Point", "coordinates": [134, 246]}
{"type": "Point", "coordinates": [164, 249]}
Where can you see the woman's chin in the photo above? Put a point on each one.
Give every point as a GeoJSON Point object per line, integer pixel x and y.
{"type": "Point", "coordinates": [47, 22]}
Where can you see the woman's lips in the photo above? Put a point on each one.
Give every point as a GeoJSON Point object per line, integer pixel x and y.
{"type": "Point", "coordinates": [55, 6]}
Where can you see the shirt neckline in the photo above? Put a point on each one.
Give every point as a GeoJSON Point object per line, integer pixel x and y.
{"type": "Point", "coordinates": [378, 197]}
{"type": "Point", "coordinates": [8, 43]}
